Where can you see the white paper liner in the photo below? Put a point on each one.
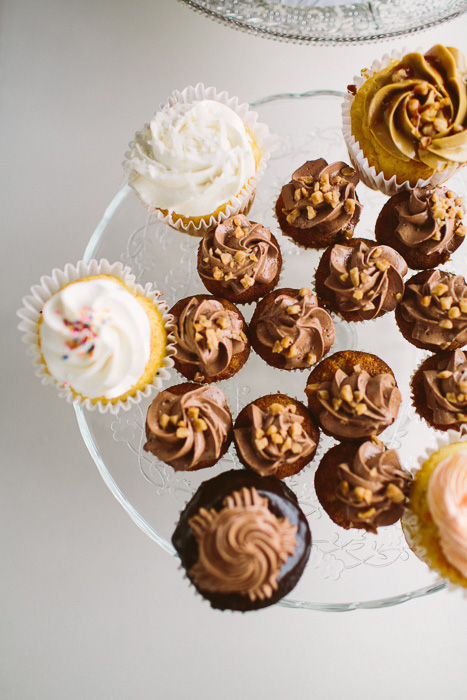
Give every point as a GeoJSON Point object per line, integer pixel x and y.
{"type": "Point", "coordinates": [410, 521]}
{"type": "Point", "coordinates": [367, 173]}
{"type": "Point", "coordinates": [241, 203]}
{"type": "Point", "coordinates": [49, 285]}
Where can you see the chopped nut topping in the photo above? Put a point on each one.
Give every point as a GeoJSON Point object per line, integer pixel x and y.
{"type": "Point", "coordinates": [293, 216]}
{"type": "Point", "coordinates": [361, 409]}
{"type": "Point", "coordinates": [199, 425]}
{"type": "Point", "coordinates": [287, 444]}
{"type": "Point", "coordinates": [291, 352]}
{"type": "Point", "coordinates": [445, 303]}
{"type": "Point", "coordinates": [349, 206]}
{"type": "Point", "coordinates": [312, 387]}
{"type": "Point", "coordinates": [454, 312]}
{"type": "Point", "coordinates": [395, 494]}
{"type": "Point", "coordinates": [286, 341]}
{"type": "Point", "coordinates": [311, 359]}
{"type": "Point", "coordinates": [440, 289]}
{"type": "Point", "coordinates": [199, 377]}
{"type": "Point", "coordinates": [253, 257]}
{"type": "Point", "coordinates": [344, 277]}
{"type": "Point", "coordinates": [295, 430]}
{"type": "Point", "coordinates": [317, 197]}
{"type": "Point", "coordinates": [259, 433]}
{"type": "Point", "coordinates": [461, 417]}
{"type": "Point", "coordinates": [336, 404]}
{"type": "Point", "coordinates": [367, 513]}
{"type": "Point", "coordinates": [307, 179]}
{"type": "Point", "coordinates": [193, 412]}
{"type": "Point", "coordinates": [304, 291]}
{"type": "Point", "coordinates": [425, 301]}
{"type": "Point", "coordinates": [276, 408]}
{"type": "Point", "coordinates": [277, 439]}
{"type": "Point", "coordinates": [345, 487]}
{"type": "Point", "coordinates": [383, 265]}
{"type": "Point", "coordinates": [358, 294]}
{"type": "Point", "coordinates": [296, 448]}
{"type": "Point", "coordinates": [347, 171]}
{"type": "Point", "coordinates": [247, 281]}
{"type": "Point", "coordinates": [293, 310]}
{"type": "Point", "coordinates": [238, 231]}
{"type": "Point", "coordinates": [355, 276]}
{"type": "Point", "coordinates": [217, 273]}
{"type": "Point", "coordinates": [363, 494]}
{"type": "Point", "coordinates": [346, 393]}
{"type": "Point", "coordinates": [182, 432]}
{"type": "Point", "coordinates": [198, 337]}
{"type": "Point", "coordinates": [277, 347]}
{"type": "Point", "coordinates": [297, 195]}
{"type": "Point", "coordinates": [262, 443]}
{"type": "Point", "coordinates": [311, 213]}
{"type": "Point", "coordinates": [323, 394]}
{"type": "Point", "coordinates": [461, 231]}
{"type": "Point", "coordinates": [445, 374]}
{"type": "Point", "coordinates": [164, 420]}
{"type": "Point", "coordinates": [226, 258]}
{"type": "Point", "coordinates": [174, 419]}
{"type": "Point", "coordinates": [239, 256]}
{"type": "Point", "coordinates": [445, 323]}
{"type": "Point", "coordinates": [463, 306]}
{"type": "Point", "coordinates": [398, 296]}
{"type": "Point", "coordinates": [272, 429]}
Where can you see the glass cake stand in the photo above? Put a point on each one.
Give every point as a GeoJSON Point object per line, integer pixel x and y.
{"type": "Point", "coordinates": [330, 21]}
{"type": "Point", "coordinates": [348, 569]}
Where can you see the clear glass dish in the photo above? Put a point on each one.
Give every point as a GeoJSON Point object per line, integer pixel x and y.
{"type": "Point", "coordinates": [348, 569]}
{"type": "Point", "coordinates": [330, 21]}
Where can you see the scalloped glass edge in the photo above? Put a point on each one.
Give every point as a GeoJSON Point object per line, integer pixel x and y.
{"type": "Point", "coordinates": [133, 513]}
{"type": "Point", "coordinates": [318, 24]}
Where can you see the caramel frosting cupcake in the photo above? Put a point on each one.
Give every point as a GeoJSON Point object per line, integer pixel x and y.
{"type": "Point", "coordinates": [239, 260]}
{"type": "Point", "coordinates": [433, 312]}
{"type": "Point", "coordinates": [362, 486]}
{"type": "Point", "coordinates": [425, 226]}
{"type": "Point", "coordinates": [243, 541]}
{"type": "Point", "coordinates": [319, 206]}
{"type": "Point", "coordinates": [188, 426]}
{"type": "Point", "coordinates": [290, 331]}
{"type": "Point", "coordinates": [275, 436]}
{"type": "Point", "coordinates": [353, 395]}
{"type": "Point", "coordinates": [360, 280]}
{"type": "Point", "coordinates": [210, 338]}
{"type": "Point", "coordinates": [439, 390]}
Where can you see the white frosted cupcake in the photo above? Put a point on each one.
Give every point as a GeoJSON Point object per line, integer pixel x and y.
{"type": "Point", "coordinates": [98, 336]}
{"type": "Point", "coordinates": [199, 159]}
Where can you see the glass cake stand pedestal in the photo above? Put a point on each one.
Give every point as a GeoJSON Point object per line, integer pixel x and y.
{"type": "Point", "coordinates": [348, 569]}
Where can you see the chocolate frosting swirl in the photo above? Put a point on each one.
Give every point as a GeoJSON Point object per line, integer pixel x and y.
{"type": "Point", "coordinates": [321, 195]}
{"type": "Point", "coordinates": [430, 219]}
{"type": "Point", "coordinates": [296, 327]}
{"type": "Point", "coordinates": [366, 279]}
{"type": "Point", "coordinates": [274, 437]}
{"type": "Point", "coordinates": [239, 253]}
{"type": "Point", "coordinates": [184, 430]}
{"type": "Point", "coordinates": [374, 487]}
{"type": "Point", "coordinates": [438, 309]}
{"type": "Point", "coordinates": [418, 109]}
{"type": "Point", "coordinates": [208, 335]}
{"type": "Point", "coordinates": [241, 548]}
{"type": "Point", "coordinates": [358, 405]}
{"type": "Point", "coordinates": [446, 389]}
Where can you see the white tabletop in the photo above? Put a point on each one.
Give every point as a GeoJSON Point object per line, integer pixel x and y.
{"type": "Point", "coordinates": [91, 607]}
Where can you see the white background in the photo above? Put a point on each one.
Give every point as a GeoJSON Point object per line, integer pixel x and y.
{"type": "Point", "coordinates": [90, 607]}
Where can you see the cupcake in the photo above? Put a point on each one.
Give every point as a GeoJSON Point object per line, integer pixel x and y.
{"type": "Point", "coordinates": [97, 335]}
{"type": "Point", "coordinates": [199, 159]}
{"type": "Point", "coordinates": [210, 338]}
{"type": "Point", "coordinates": [435, 524]}
{"type": "Point", "coordinates": [188, 426]}
{"type": "Point", "coordinates": [239, 260]}
{"type": "Point", "coordinates": [439, 390]}
{"type": "Point", "coordinates": [362, 485]}
{"type": "Point", "coordinates": [275, 436]}
{"type": "Point", "coordinates": [243, 541]}
{"type": "Point", "coordinates": [360, 280]}
{"type": "Point", "coordinates": [353, 395]}
{"type": "Point", "coordinates": [433, 312]}
{"type": "Point", "coordinates": [425, 225]}
{"type": "Point", "coordinates": [290, 331]}
{"type": "Point", "coordinates": [405, 120]}
{"type": "Point", "coordinates": [319, 206]}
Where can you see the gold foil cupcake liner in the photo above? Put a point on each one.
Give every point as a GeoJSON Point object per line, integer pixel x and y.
{"type": "Point", "coordinates": [368, 174]}
{"type": "Point", "coordinates": [30, 314]}
{"type": "Point", "coordinates": [241, 203]}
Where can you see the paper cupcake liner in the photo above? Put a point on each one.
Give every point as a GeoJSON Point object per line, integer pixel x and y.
{"type": "Point", "coordinates": [368, 174]}
{"type": "Point", "coordinates": [30, 314]}
{"type": "Point", "coordinates": [241, 203]}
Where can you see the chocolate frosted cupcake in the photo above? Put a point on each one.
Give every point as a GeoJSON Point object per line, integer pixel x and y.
{"type": "Point", "coordinates": [424, 226]}
{"type": "Point", "coordinates": [188, 426]}
{"type": "Point", "coordinates": [353, 395]}
{"type": "Point", "coordinates": [319, 206]}
{"type": "Point", "coordinates": [439, 389]}
{"type": "Point", "coordinates": [290, 331]}
{"type": "Point", "coordinates": [243, 541]}
{"type": "Point", "coordinates": [211, 341]}
{"type": "Point", "coordinates": [363, 485]}
{"type": "Point", "coordinates": [239, 260]}
{"type": "Point", "coordinates": [360, 280]}
{"type": "Point", "coordinates": [275, 436]}
{"type": "Point", "coordinates": [433, 312]}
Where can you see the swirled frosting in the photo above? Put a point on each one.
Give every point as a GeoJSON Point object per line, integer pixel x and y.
{"type": "Point", "coordinates": [238, 254]}
{"type": "Point", "coordinates": [95, 337]}
{"type": "Point", "coordinates": [186, 429]}
{"type": "Point", "coordinates": [297, 328]}
{"type": "Point", "coordinates": [357, 405]}
{"type": "Point", "coordinates": [446, 389]}
{"type": "Point", "coordinates": [366, 279]}
{"type": "Point", "coordinates": [418, 109]}
{"type": "Point", "coordinates": [208, 335]}
{"type": "Point", "coordinates": [447, 501]}
{"type": "Point", "coordinates": [273, 437]}
{"type": "Point", "coordinates": [430, 219]}
{"type": "Point", "coordinates": [374, 487]}
{"type": "Point", "coordinates": [191, 159]}
{"type": "Point", "coordinates": [321, 195]}
{"type": "Point", "coordinates": [241, 548]}
{"type": "Point", "coordinates": [437, 308]}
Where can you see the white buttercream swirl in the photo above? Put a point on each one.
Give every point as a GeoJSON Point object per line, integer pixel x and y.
{"type": "Point", "coordinates": [191, 159]}
{"type": "Point", "coordinates": [95, 337]}
{"type": "Point", "coordinates": [447, 501]}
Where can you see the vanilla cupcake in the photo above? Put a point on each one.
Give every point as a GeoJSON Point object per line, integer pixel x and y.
{"type": "Point", "coordinates": [99, 337]}
{"type": "Point", "coordinates": [199, 159]}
